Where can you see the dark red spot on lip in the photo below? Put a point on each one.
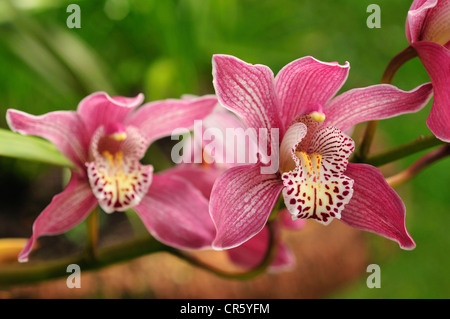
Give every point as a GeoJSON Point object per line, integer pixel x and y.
{"type": "Point", "coordinates": [292, 201]}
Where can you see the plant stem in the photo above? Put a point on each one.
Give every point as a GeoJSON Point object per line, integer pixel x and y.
{"type": "Point", "coordinates": [419, 144]}
{"type": "Point", "coordinates": [15, 273]}
{"type": "Point", "coordinates": [388, 76]}
{"type": "Point", "coordinates": [246, 275]}
{"type": "Point", "coordinates": [92, 235]}
{"type": "Point", "coordinates": [397, 61]}
{"type": "Point", "coordinates": [422, 163]}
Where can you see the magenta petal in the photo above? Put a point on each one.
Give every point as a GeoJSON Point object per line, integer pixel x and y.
{"type": "Point", "coordinates": [416, 18]}
{"type": "Point", "coordinates": [176, 213]}
{"type": "Point", "coordinates": [306, 82]}
{"type": "Point", "coordinates": [375, 206]}
{"type": "Point", "coordinates": [200, 177]}
{"type": "Point", "coordinates": [248, 90]}
{"type": "Point", "coordinates": [436, 60]}
{"type": "Point", "coordinates": [158, 119]}
{"type": "Point", "coordinates": [66, 210]}
{"type": "Point", "coordinates": [374, 102]}
{"type": "Point", "coordinates": [101, 109]}
{"type": "Point", "coordinates": [64, 129]}
{"type": "Point", "coordinates": [241, 202]}
{"type": "Point", "coordinates": [252, 252]}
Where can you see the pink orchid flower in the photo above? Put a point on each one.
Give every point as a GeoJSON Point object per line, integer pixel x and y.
{"type": "Point", "coordinates": [428, 32]}
{"type": "Point", "coordinates": [314, 175]}
{"type": "Point", "coordinates": [203, 175]}
{"type": "Point", "coordinates": [105, 139]}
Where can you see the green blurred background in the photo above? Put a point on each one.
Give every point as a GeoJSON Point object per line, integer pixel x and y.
{"type": "Point", "coordinates": [164, 49]}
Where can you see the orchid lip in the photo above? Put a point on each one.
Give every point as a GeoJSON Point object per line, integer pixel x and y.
{"type": "Point", "coordinates": [316, 187]}
{"type": "Point", "coordinates": [116, 177]}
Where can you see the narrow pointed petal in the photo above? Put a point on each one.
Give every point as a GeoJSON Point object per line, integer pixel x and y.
{"type": "Point", "coordinates": [64, 129]}
{"type": "Point", "coordinates": [251, 253]}
{"type": "Point", "coordinates": [101, 109]}
{"type": "Point", "coordinates": [374, 102]}
{"type": "Point", "coordinates": [158, 119]}
{"type": "Point", "coordinates": [436, 60]}
{"type": "Point", "coordinates": [306, 82]}
{"type": "Point", "coordinates": [375, 206]}
{"type": "Point", "coordinates": [66, 210]}
{"type": "Point", "coordinates": [241, 202]}
{"type": "Point", "coordinates": [176, 213]}
{"type": "Point", "coordinates": [249, 91]}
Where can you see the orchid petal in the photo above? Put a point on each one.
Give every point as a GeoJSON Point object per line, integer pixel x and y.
{"type": "Point", "coordinates": [64, 129]}
{"type": "Point", "coordinates": [201, 177]}
{"type": "Point", "coordinates": [66, 210]}
{"type": "Point", "coordinates": [375, 206]}
{"type": "Point", "coordinates": [436, 60]}
{"type": "Point", "coordinates": [251, 253]}
{"type": "Point", "coordinates": [416, 17]}
{"type": "Point", "coordinates": [247, 90]}
{"type": "Point", "coordinates": [235, 144]}
{"type": "Point", "coordinates": [437, 25]}
{"type": "Point", "coordinates": [161, 118]}
{"type": "Point", "coordinates": [101, 109]}
{"type": "Point", "coordinates": [293, 137]}
{"type": "Point", "coordinates": [374, 103]}
{"type": "Point", "coordinates": [176, 213]}
{"type": "Point", "coordinates": [241, 202]}
{"type": "Point", "coordinates": [306, 82]}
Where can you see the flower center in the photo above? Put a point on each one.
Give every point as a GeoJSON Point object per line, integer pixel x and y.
{"type": "Point", "coordinates": [317, 188]}
{"type": "Point", "coordinates": [116, 177]}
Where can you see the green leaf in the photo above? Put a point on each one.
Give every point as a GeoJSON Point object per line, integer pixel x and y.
{"type": "Point", "coordinates": [30, 148]}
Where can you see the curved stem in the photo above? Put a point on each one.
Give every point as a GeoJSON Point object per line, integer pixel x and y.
{"type": "Point", "coordinates": [388, 76]}
{"type": "Point", "coordinates": [397, 61]}
{"type": "Point", "coordinates": [422, 163]}
{"type": "Point", "coordinates": [252, 273]}
{"type": "Point", "coordinates": [16, 273]}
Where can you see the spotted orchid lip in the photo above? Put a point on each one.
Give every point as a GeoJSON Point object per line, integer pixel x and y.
{"type": "Point", "coordinates": [116, 177]}
{"type": "Point", "coordinates": [317, 188]}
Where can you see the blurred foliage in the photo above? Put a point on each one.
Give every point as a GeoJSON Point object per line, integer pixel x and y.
{"type": "Point", "coordinates": [164, 49]}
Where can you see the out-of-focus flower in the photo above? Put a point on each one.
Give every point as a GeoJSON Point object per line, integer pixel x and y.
{"type": "Point", "coordinates": [314, 174]}
{"type": "Point", "coordinates": [105, 139]}
{"type": "Point", "coordinates": [428, 32]}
